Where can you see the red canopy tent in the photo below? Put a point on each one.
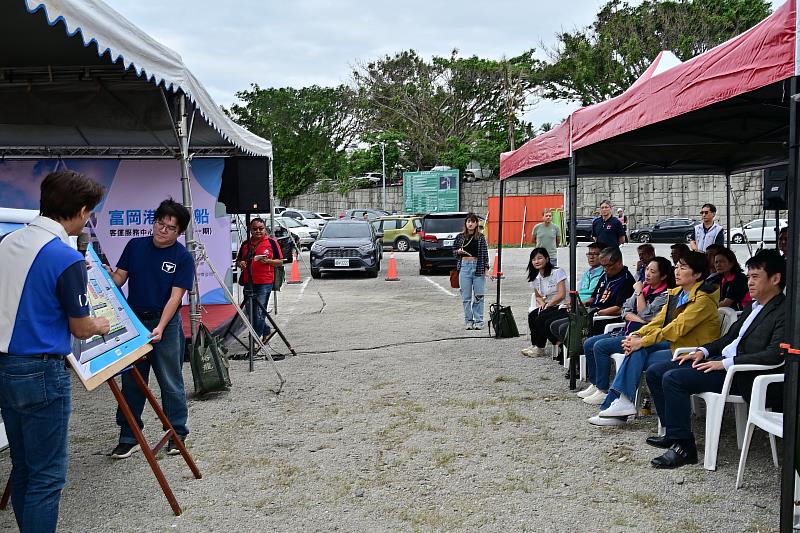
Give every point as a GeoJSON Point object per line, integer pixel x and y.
{"type": "Point", "coordinates": [730, 109]}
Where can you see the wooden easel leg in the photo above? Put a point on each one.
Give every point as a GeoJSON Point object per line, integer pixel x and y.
{"type": "Point", "coordinates": [165, 423]}
{"type": "Point", "coordinates": [6, 496]}
{"type": "Point", "coordinates": [148, 453]}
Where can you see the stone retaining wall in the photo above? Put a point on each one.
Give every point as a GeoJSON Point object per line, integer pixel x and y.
{"type": "Point", "coordinates": [645, 199]}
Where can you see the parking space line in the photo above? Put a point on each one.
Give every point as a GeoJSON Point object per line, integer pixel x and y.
{"type": "Point", "coordinates": [429, 280]}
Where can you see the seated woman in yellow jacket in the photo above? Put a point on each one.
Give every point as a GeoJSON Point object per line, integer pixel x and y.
{"type": "Point", "coordinates": [689, 318]}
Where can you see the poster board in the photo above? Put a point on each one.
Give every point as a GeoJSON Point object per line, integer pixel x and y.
{"type": "Point", "coordinates": [100, 357]}
{"type": "Point", "coordinates": [430, 191]}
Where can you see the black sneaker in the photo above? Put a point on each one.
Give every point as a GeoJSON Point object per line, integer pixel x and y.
{"type": "Point", "coordinates": [172, 449]}
{"type": "Point", "coordinates": [124, 450]}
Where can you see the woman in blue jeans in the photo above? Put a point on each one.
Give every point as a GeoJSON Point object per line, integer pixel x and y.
{"type": "Point", "coordinates": [472, 261]}
{"type": "Point", "coordinates": [689, 318]}
{"type": "Point", "coordinates": [644, 304]}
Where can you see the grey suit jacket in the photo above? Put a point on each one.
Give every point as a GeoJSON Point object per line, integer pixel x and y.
{"type": "Point", "coordinates": [760, 343]}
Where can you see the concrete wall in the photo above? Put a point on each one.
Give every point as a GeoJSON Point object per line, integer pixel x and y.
{"type": "Point", "coordinates": [645, 199]}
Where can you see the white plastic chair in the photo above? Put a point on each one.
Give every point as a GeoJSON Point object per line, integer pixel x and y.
{"type": "Point", "coordinates": [715, 407]}
{"type": "Point", "coordinates": [582, 374]}
{"type": "Point", "coordinates": [759, 416]}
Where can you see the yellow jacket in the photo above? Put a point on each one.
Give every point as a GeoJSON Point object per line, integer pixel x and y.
{"type": "Point", "coordinates": [692, 324]}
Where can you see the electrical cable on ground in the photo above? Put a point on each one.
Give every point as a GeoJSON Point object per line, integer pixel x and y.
{"type": "Point", "coordinates": [391, 345]}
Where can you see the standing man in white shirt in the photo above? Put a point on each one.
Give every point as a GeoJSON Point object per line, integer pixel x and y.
{"type": "Point", "coordinates": [754, 338]}
{"type": "Point", "coordinates": [708, 232]}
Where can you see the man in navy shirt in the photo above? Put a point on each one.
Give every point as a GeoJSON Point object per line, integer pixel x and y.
{"type": "Point", "coordinates": [42, 300]}
{"type": "Point", "coordinates": [615, 286]}
{"type": "Point", "coordinates": [159, 270]}
{"type": "Point", "coordinates": [606, 229]}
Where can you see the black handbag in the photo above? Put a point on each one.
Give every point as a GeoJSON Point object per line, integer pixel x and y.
{"type": "Point", "coordinates": [502, 320]}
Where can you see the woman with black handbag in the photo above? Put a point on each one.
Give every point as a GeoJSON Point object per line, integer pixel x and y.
{"type": "Point", "coordinates": [472, 262]}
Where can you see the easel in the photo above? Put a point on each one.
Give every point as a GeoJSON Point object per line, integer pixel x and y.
{"type": "Point", "coordinates": [149, 453]}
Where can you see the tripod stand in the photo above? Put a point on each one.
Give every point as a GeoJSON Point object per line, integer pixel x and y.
{"type": "Point", "coordinates": [201, 256]}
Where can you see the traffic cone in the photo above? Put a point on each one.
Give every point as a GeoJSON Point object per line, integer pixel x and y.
{"type": "Point", "coordinates": [392, 274]}
{"type": "Point", "coordinates": [294, 277]}
{"type": "Point", "coordinates": [495, 274]}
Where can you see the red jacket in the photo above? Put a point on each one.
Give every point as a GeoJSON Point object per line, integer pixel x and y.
{"type": "Point", "coordinates": [262, 274]}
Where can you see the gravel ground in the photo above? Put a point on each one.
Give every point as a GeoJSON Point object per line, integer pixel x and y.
{"type": "Point", "coordinates": [395, 418]}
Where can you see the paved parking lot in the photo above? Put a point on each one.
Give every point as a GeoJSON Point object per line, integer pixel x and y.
{"type": "Point", "coordinates": [395, 418]}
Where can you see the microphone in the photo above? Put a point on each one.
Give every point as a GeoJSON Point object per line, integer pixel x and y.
{"type": "Point", "coordinates": [83, 243]}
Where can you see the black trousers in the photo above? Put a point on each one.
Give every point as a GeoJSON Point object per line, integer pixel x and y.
{"type": "Point", "coordinates": [539, 323]}
{"type": "Point", "coordinates": [558, 329]}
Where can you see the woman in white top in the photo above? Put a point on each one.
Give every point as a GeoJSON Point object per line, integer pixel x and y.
{"type": "Point", "coordinates": [549, 290]}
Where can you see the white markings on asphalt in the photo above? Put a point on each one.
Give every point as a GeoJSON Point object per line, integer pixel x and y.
{"type": "Point", "coordinates": [303, 289]}
{"type": "Point", "coordinates": [429, 280]}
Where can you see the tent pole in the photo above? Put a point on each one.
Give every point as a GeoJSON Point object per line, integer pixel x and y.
{"type": "Point", "coordinates": [182, 130]}
{"type": "Point", "coordinates": [500, 239]}
{"type": "Point", "coordinates": [790, 389]}
{"type": "Point", "coordinates": [573, 251]}
{"type": "Point", "coordinates": [728, 208]}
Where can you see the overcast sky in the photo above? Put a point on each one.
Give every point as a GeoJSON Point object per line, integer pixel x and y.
{"type": "Point", "coordinates": [229, 45]}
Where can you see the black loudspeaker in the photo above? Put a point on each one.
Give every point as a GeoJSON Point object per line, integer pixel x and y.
{"type": "Point", "coordinates": [775, 188]}
{"type": "Point", "coordinates": [245, 185]}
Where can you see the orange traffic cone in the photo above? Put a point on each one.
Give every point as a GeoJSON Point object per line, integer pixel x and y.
{"type": "Point", "coordinates": [294, 277]}
{"type": "Point", "coordinates": [392, 274]}
{"type": "Point", "coordinates": [495, 274]}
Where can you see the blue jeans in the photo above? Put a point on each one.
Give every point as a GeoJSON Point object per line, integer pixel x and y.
{"type": "Point", "coordinates": [166, 359]}
{"type": "Point", "coordinates": [473, 287]}
{"type": "Point", "coordinates": [598, 350]}
{"type": "Point", "coordinates": [35, 403]}
{"type": "Point", "coordinates": [671, 386]}
{"type": "Point", "coordinates": [630, 371]}
{"type": "Point", "coordinates": [261, 292]}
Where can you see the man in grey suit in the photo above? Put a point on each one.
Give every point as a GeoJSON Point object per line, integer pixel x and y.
{"type": "Point", "coordinates": [754, 338]}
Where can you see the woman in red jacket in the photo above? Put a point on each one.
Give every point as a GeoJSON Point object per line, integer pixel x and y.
{"type": "Point", "coordinates": [260, 255]}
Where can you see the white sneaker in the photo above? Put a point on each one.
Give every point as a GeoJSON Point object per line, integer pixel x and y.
{"type": "Point", "coordinates": [600, 421]}
{"type": "Point", "coordinates": [585, 393]}
{"type": "Point", "coordinates": [622, 406]}
{"type": "Point", "coordinates": [597, 398]}
{"type": "Point", "coordinates": [528, 352]}
{"type": "Point", "coordinates": [538, 352]}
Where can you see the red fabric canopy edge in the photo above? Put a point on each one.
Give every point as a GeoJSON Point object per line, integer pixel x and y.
{"type": "Point", "coordinates": [762, 55]}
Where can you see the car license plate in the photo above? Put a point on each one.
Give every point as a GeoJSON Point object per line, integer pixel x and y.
{"type": "Point", "coordinates": [341, 262]}
{"type": "Point", "coordinates": [448, 242]}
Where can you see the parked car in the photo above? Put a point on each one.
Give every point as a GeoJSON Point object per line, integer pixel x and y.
{"type": "Point", "coordinates": [436, 240]}
{"type": "Point", "coordinates": [668, 230]}
{"type": "Point", "coordinates": [310, 219]}
{"type": "Point", "coordinates": [753, 230]}
{"type": "Point", "coordinates": [325, 216]}
{"type": "Point", "coordinates": [400, 232]}
{"type": "Point", "coordinates": [347, 245]}
{"type": "Point", "coordinates": [583, 228]}
{"type": "Point", "coordinates": [372, 214]}
{"type": "Point", "coordinates": [305, 236]}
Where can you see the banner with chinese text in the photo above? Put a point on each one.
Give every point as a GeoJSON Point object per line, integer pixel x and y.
{"type": "Point", "coordinates": [134, 188]}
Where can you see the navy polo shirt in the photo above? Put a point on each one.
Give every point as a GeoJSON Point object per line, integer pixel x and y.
{"type": "Point", "coordinates": [607, 232]}
{"type": "Point", "coordinates": [153, 272]}
{"type": "Point", "coordinates": [611, 292]}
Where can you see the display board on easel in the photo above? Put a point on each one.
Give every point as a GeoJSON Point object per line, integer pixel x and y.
{"type": "Point", "coordinates": [101, 357]}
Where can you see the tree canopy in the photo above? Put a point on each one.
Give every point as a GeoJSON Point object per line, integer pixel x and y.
{"type": "Point", "coordinates": [453, 110]}
{"type": "Point", "coordinates": [593, 64]}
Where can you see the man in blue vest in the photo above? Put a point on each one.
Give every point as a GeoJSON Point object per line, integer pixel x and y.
{"type": "Point", "coordinates": [159, 270]}
{"type": "Point", "coordinates": [42, 300]}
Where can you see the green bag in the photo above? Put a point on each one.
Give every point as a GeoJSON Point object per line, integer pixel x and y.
{"type": "Point", "coordinates": [280, 277]}
{"type": "Point", "coordinates": [502, 320]}
{"type": "Point", "coordinates": [580, 328]}
{"type": "Point", "coordinates": [209, 368]}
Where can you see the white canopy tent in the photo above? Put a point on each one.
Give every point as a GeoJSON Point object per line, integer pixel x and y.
{"type": "Point", "coordinates": [78, 80]}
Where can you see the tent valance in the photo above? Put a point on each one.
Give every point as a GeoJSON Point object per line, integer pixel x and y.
{"type": "Point", "coordinates": [77, 78]}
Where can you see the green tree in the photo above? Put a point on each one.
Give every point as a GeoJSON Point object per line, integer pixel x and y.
{"type": "Point", "coordinates": [309, 129]}
{"type": "Point", "coordinates": [604, 59]}
{"type": "Point", "coordinates": [441, 111]}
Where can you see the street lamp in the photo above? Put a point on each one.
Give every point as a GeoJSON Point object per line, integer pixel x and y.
{"type": "Point", "coordinates": [383, 174]}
